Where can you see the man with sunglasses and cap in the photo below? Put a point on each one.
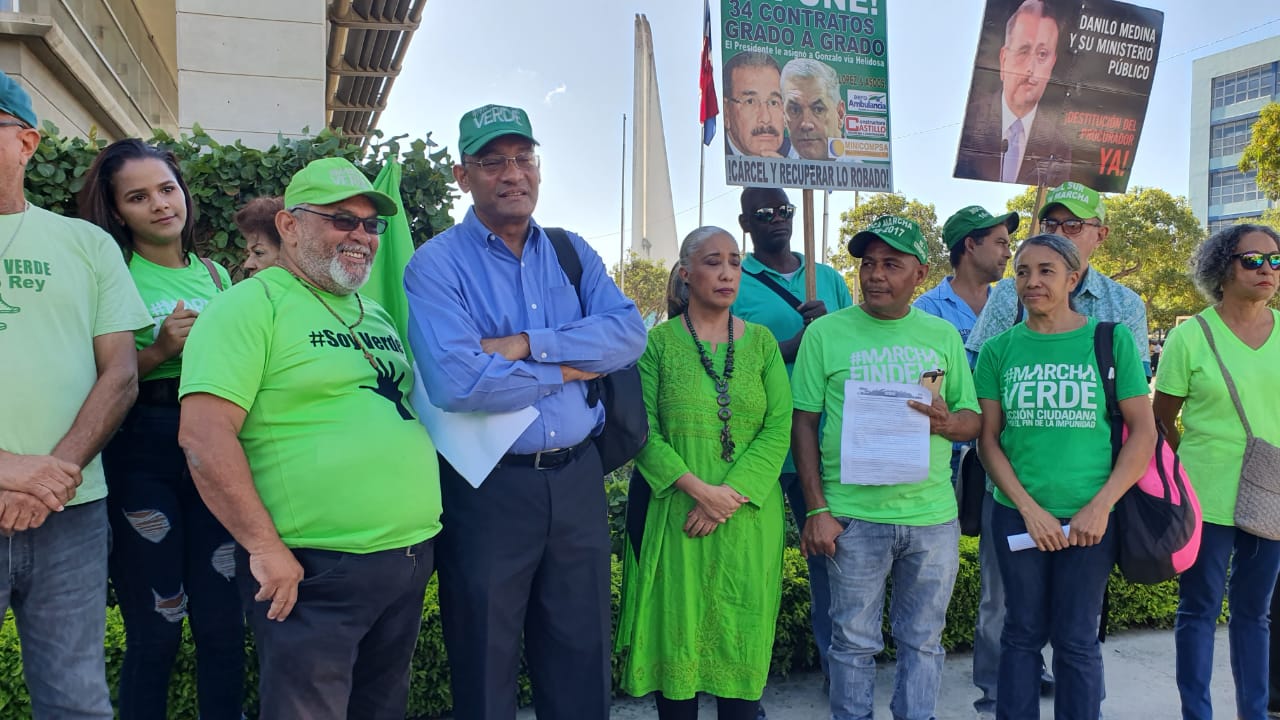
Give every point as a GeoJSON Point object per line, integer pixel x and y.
{"type": "Point", "coordinates": [869, 524]}
{"type": "Point", "coordinates": [68, 311]}
{"type": "Point", "coordinates": [300, 437]}
{"type": "Point", "coordinates": [772, 293]}
{"type": "Point", "coordinates": [497, 326]}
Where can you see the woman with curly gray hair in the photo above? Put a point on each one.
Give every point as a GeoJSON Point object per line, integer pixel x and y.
{"type": "Point", "coordinates": [1231, 349]}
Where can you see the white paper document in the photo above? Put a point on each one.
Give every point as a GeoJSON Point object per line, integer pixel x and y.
{"type": "Point", "coordinates": [883, 441]}
{"type": "Point", "coordinates": [1023, 541]}
{"type": "Point", "coordinates": [472, 442]}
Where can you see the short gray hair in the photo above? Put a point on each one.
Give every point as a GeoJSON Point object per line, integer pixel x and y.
{"type": "Point", "coordinates": [816, 70]}
{"type": "Point", "coordinates": [1211, 262]}
{"type": "Point", "coordinates": [1065, 248]}
{"type": "Point", "coordinates": [1034, 8]}
{"type": "Point", "coordinates": [677, 288]}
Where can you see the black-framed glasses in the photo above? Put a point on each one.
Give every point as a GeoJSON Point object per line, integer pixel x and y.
{"type": "Point", "coordinates": [1070, 227]}
{"type": "Point", "coordinates": [752, 102]}
{"type": "Point", "coordinates": [346, 223]}
{"type": "Point", "coordinates": [15, 123]}
{"type": "Point", "coordinates": [494, 164]}
{"type": "Point", "coordinates": [1254, 260]}
{"type": "Point", "coordinates": [766, 214]}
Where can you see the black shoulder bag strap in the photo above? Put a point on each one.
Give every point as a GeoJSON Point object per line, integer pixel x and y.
{"type": "Point", "coordinates": [773, 285]}
{"type": "Point", "coordinates": [1104, 351]}
{"type": "Point", "coordinates": [571, 264]}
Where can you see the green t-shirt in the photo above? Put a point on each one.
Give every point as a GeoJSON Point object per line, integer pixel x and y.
{"type": "Point", "coordinates": [337, 454]}
{"type": "Point", "coordinates": [850, 344]}
{"type": "Point", "coordinates": [161, 288]}
{"type": "Point", "coordinates": [64, 283]}
{"type": "Point", "coordinates": [1056, 432]}
{"type": "Point", "coordinates": [1212, 446]}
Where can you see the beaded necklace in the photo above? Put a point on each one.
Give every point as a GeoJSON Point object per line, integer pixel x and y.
{"type": "Point", "coordinates": [722, 385]}
{"type": "Point", "coordinates": [351, 329]}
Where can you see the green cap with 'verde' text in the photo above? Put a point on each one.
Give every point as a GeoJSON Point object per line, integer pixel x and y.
{"type": "Point", "coordinates": [490, 122]}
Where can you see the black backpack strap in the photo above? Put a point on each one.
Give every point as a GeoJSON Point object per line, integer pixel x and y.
{"type": "Point", "coordinates": [1105, 354]}
{"type": "Point", "coordinates": [570, 263]}
{"type": "Point", "coordinates": [1017, 314]}
{"type": "Point", "coordinates": [773, 285]}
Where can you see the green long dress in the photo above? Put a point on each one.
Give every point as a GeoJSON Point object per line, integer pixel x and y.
{"type": "Point", "coordinates": [698, 615]}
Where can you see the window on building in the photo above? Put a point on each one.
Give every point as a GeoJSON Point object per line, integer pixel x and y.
{"type": "Point", "coordinates": [1230, 138]}
{"type": "Point", "coordinates": [1217, 225]}
{"type": "Point", "coordinates": [1248, 84]}
{"type": "Point", "coordinates": [1232, 186]}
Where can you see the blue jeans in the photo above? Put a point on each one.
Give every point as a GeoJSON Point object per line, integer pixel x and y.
{"type": "Point", "coordinates": [1058, 600]}
{"type": "Point", "coordinates": [55, 579]}
{"type": "Point", "coordinates": [170, 560]}
{"type": "Point", "coordinates": [819, 586]}
{"type": "Point", "coordinates": [986, 635]}
{"type": "Point", "coordinates": [922, 562]}
{"type": "Point", "coordinates": [345, 649]}
{"type": "Point", "coordinates": [1254, 564]}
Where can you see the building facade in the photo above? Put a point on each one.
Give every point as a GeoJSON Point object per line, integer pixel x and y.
{"type": "Point", "coordinates": [244, 70]}
{"type": "Point", "coordinates": [1228, 90]}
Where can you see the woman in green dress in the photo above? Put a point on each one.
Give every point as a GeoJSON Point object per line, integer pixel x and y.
{"type": "Point", "coordinates": [701, 589]}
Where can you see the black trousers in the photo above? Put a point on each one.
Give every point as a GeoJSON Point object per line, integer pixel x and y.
{"type": "Point", "coordinates": [1274, 664]}
{"type": "Point", "coordinates": [527, 553]}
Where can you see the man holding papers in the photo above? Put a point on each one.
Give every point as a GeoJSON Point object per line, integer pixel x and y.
{"type": "Point", "coordinates": [497, 327]}
{"type": "Point", "coordinates": [881, 498]}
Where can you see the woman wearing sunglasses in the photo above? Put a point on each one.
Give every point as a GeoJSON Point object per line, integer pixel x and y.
{"type": "Point", "coordinates": [1046, 443]}
{"type": "Point", "coordinates": [1237, 269]}
{"type": "Point", "coordinates": [170, 557]}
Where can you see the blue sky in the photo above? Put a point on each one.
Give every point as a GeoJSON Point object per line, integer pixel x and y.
{"type": "Point", "coordinates": [570, 64]}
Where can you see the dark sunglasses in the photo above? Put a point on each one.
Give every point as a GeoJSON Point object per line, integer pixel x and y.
{"type": "Point", "coordinates": [347, 223]}
{"type": "Point", "coordinates": [764, 215]}
{"type": "Point", "coordinates": [1254, 260]}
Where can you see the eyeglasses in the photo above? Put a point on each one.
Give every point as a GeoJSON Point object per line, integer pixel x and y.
{"type": "Point", "coordinates": [14, 123]}
{"type": "Point", "coordinates": [346, 223]}
{"type": "Point", "coordinates": [1070, 227]}
{"type": "Point", "coordinates": [494, 164]}
{"type": "Point", "coordinates": [752, 103]}
{"type": "Point", "coordinates": [767, 214]}
{"type": "Point", "coordinates": [1254, 260]}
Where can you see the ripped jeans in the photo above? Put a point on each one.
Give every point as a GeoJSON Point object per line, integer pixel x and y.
{"type": "Point", "coordinates": [170, 559]}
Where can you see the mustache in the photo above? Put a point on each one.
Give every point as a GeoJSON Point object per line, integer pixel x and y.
{"type": "Point", "coordinates": [765, 130]}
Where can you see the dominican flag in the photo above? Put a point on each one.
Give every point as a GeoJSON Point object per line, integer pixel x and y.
{"type": "Point", "coordinates": [710, 108]}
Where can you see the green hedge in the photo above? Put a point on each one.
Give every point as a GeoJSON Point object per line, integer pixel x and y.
{"type": "Point", "coordinates": [224, 177]}
{"type": "Point", "coordinates": [429, 696]}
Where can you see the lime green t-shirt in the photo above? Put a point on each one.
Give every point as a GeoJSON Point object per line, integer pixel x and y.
{"type": "Point", "coordinates": [337, 454]}
{"type": "Point", "coordinates": [850, 344]}
{"type": "Point", "coordinates": [64, 283]}
{"type": "Point", "coordinates": [1212, 446]}
{"type": "Point", "coordinates": [1056, 432]}
{"type": "Point", "coordinates": [161, 288]}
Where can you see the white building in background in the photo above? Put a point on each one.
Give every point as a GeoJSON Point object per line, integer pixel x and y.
{"type": "Point", "coordinates": [1228, 90]}
{"type": "Point", "coordinates": [241, 69]}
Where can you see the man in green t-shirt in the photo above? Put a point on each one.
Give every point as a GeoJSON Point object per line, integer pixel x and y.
{"type": "Point", "coordinates": [68, 311]}
{"type": "Point", "coordinates": [881, 496]}
{"type": "Point", "coordinates": [297, 427]}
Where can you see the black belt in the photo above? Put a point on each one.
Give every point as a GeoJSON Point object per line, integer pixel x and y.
{"type": "Point", "coordinates": [545, 459]}
{"type": "Point", "coordinates": [159, 392]}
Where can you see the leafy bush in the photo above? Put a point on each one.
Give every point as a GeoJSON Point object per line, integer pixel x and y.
{"type": "Point", "coordinates": [429, 693]}
{"type": "Point", "coordinates": [222, 178]}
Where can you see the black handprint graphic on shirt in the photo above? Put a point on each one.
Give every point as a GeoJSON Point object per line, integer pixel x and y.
{"type": "Point", "coordinates": [389, 387]}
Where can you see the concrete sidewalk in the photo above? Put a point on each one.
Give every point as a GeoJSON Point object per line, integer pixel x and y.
{"type": "Point", "coordinates": [1140, 684]}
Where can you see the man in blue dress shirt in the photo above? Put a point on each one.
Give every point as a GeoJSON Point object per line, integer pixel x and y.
{"type": "Point", "coordinates": [497, 326]}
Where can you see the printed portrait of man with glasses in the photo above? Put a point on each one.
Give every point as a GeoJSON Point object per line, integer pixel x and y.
{"type": "Point", "coordinates": [753, 117]}
{"type": "Point", "coordinates": [1015, 135]}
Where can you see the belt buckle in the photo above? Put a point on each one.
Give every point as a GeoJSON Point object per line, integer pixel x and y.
{"type": "Point", "coordinates": [537, 459]}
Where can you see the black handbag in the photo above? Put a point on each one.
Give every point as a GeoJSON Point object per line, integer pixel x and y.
{"type": "Point", "coordinates": [626, 422]}
{"type": "Point", "coordinates": [971, 491]}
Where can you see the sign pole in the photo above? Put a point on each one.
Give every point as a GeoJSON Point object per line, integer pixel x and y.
{"type": "Point", "coordinates": [810, 281]}
{"type": "Point", "coordinates": [1035, 212]}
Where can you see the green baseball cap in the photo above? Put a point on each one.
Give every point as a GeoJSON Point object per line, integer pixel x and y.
{"type": "Point", "coordinates": [900, 233]}
{"type": "Point", "coordinates": [483, 124]}
{"type": "Point", "coordinates": [330, 180]}
{"type": "Point", "coordinates": [15, 101]}
{"type": "Point", "coordinates": [1081, 201]}
{"type": "Point", "coordinates": [965, 221]}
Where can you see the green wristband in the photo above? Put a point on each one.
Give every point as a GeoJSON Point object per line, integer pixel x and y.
{"type": "Point", "coordinates": [817, 511]}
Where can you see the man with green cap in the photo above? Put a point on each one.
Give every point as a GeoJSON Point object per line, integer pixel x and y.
{"type": "Point", "coordinates": [68, 311]}
{"type": "Point", "coordinates": [873, 525]}
{"type": "Point", "coordinates": [1077, 213]}
{"type": "Point", "coordinates": [298, 430]}
{"type": "Point", "coordinates": [497, 326]}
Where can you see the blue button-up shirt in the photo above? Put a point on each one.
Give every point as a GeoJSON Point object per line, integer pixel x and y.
{"type": "Point", "coordinates": [943, 302]}
{"type": "Point", "coordinates": [465, 285]}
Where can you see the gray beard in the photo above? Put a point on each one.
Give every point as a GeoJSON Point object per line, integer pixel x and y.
{"type": "Point", "coordinates": [331, 276]}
